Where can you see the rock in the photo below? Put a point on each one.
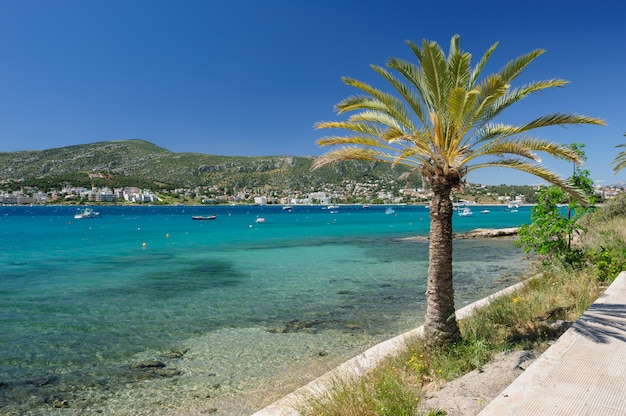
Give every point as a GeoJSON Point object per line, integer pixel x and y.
{"type": "Point", "coordinates": [176, 352]}
{"type": "Point", "coordinates": [296, 325]}
{"type": "Point", "coordinates": [57, 402]}
{"type": "Point", "coordinates": [146, 365]}
{"type": "Point", "coordinates": [42, 381]}
{"type": "Point", "coordinates": [488, 233]}
{"type": "Point", "coordinates": [166, 372]}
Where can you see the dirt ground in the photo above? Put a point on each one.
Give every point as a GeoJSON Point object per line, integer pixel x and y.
{"type": "Point", "coordinates": [470, 394]}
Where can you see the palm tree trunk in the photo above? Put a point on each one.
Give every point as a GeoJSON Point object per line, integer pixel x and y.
{"type": "Point", "coordinates": [440, 324]}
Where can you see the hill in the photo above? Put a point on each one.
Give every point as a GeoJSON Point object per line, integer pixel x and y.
{"type": "Point", "coordinates": [141, 163]}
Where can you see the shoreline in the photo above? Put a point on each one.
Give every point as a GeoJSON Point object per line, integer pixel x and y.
{"type": "Point", "coordinates": [364, 362]}
{"type": "Point", "coordinates": [475, 233]}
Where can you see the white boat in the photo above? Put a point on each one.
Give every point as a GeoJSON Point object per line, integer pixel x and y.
{"type": "Point", "coordinates": [485, 211]}
{"type": "Point", "coordinates": [390, 211]}
{"type": "Point", "coordinates": [332, 207]}
{"type": "Point", "coordinates": [259, 220]}
{"type": "Point", "coordinates": [465, 212]}
{"type": "Point", "coordinates": [87, 213]}
{"type": "Point", "coordinates": [287, 208]}
{"type": "Point", "coordinates": [513, 205]}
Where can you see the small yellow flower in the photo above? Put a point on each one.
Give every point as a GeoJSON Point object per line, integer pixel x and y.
{"type": "Point", "coordinates": [515, 300]}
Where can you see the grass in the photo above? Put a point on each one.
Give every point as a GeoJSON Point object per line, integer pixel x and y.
{"type": "Point", "coordinates": [527, 319]}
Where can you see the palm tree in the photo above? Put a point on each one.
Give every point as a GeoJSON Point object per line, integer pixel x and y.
{"type": "Point", "coordinates": [443, 127]}
{"type": "Point", "coordinates": [620, 159]}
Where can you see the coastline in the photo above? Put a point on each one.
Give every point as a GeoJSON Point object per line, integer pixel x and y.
{"type": "Point", "coordinates": [475, 233]}
{"type": "Point", "coordinates": [364, 362]}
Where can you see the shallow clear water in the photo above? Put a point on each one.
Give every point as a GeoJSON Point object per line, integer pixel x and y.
{"type": "Point", "coordinates": [81, 299]}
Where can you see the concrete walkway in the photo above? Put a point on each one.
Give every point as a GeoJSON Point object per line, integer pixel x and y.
{"type": "Point", "coordinates": [582, 373]}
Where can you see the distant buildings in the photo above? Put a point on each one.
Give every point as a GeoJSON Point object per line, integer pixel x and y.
{"type": "Point", "coordinates": [27, 197]}
{"type": "Point", "coordinates": [349, 191]}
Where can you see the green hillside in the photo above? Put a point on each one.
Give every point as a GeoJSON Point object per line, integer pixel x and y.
{"type": "Point", "coordinates": [141, 163]}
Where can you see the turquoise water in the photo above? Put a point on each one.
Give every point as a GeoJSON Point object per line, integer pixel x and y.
{"type": "Point", "coordinates": [81, 298]}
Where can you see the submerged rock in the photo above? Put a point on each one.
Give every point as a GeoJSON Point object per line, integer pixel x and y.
{"type": "Point", "coordinates": [296, 325]}
{"type": "Point", "coordinates": [147, 365]}
{"type": "Point", "coordinates": [45, 380]}
{"type": "Point", "coordinates": [176, 352]}
{"type": "Point", "coordinates": [154, 368]}
{"type": "Point", "coordinates": [166, 372]}
{"type": "Point", "coordinates": [57, 402]}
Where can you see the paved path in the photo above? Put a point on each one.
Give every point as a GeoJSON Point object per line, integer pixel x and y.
{"type": "Point", "coordinates": [582, 373]}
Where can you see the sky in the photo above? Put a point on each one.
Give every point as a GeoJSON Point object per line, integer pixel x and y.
{"type": "Point", "coordinates": [252, 77]}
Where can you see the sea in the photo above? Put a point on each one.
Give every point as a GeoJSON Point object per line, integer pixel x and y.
{"type": "Point", "coordinates": [144, 310]}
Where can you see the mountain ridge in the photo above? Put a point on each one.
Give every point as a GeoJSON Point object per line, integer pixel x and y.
{"type": "Point", "coordinates": [146, 162]}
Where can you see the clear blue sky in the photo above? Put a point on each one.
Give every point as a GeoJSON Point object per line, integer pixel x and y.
{"type": "Point", "coordinates": [251, 77]}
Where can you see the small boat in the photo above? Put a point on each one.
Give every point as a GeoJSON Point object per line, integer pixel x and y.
{"type": "Point", "coordinates": [513, 205]}
{"type": "Point", "coordinates": [485, 211]}
{"type": "Point", "coordinates": [259, 220]}
{"type": "Point", "coordinates": [365, 206]}
{"type": "Point", "coordinates": [390, 211]}
{"type": "Point", "coordinates": [332, 207]}
{"type": "Point", "coordinates": [465, 212]}
{"type": "Point", "coordinates": [202, 218]}
{"type": "Point", "coordinates": [87, 213]}
{"type": "Point", "coordinates": [287, 208]}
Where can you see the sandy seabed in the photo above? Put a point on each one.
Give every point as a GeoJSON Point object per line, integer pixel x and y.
{"type": "Point", "coordinates": [233, 371]}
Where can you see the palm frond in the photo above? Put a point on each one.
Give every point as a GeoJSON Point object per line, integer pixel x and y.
{"type": "Point", "coordinates": [559, 119]}
{"type": "Point", "coordinates": [515, 67]}
{"type": "Point", "coordinates": [351, 153]}
{"type": "Point", "coordinates": [358, 102]}
{"type": "Point", "coordinates": [414, 75]}
{"type": "Point", "coordinates": [363, 141]}
{"type": "Point", "coordinates": [492, 88]}
{"type": "Point", "coordinates": [478, 69]}
{"type": "Point", "coordinates": [526, 147]}
{"type": "Point", "coordinates": [535, 170]}
{"type": "Point", "coordinates": [516, 94]}
{"type": "Point", "coordinates": [378, 101]}
{"type": "Point", "coordinates": [458, 64]}
{"type": "Point", "coordinates": [620, 160]}
{"type": "Point", "coordinates": [432, 60]}
{"type": "Point", "coordinates": [365, 128]}
{"type": "Point", "coordinates": [461, 105]}
{"type": "Point", "coordinates": [376, 117]}
{"type": "Point", "coordinates": [413, 100]}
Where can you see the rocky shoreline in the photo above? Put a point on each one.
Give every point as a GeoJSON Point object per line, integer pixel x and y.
{"type": "Point", "coordinates": [488, 233]}
{"type": "Point", "coordinates": [476, 233]}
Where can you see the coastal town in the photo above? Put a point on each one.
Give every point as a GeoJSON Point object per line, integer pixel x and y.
{"type": "Point", "coordinates": [351, 192]}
